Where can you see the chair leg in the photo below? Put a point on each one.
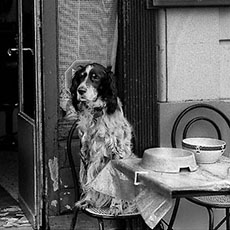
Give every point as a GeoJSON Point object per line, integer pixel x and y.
{"type": "Point", "coordinates": [101, 224]}
{"type": "Point", "coordinates": [211, 218]}
{"type": "Point", "coordinates": [227, 219]}
{"type": "Point", "coordinates": [161, 226]}
{"type": "Point", "coordinates": [129, 224]}
{"type": "Point", "coordinates": [74, 219]}
{"type": "Point", "coordinates": [173, 217]}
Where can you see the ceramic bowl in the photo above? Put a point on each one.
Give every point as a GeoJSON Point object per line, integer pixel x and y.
{"type": "Point", "coordinates": [168, 160]}
{"type": "Point", "coordinates": [206, 150]}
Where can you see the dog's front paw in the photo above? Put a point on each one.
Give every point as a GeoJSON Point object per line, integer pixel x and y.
{"type": "Point", "coordinates": [115, 207]}
{"type": "Point", "coordinates": [115, 211]}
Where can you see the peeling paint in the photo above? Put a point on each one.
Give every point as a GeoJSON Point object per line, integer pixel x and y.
{"type": "Point", "coordinates": [54, 203]}
{"type": "Point", "coordinates": [13, 217]}
{"type": "Point", "coordinates": [66, 193]}
{"type": "Point", "coordinates": [68, 207]}
{"type": "Point", "coordinates": [53, 167]}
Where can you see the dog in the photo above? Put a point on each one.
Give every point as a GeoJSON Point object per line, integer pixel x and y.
{"type": "Point", "coordinates": [104, 132]}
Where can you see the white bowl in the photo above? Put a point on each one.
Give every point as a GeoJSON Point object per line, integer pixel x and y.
{"type": "Point", "coordinates": [168, 160]}
{"type": "Point", "coordinates": [206, 150]}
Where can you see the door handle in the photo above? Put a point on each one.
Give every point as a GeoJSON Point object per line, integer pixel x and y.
{"type": "Point", "coordinates": [10, 51]}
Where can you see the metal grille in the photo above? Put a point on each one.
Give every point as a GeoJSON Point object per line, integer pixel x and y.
{"type": "Point", "coordinates": [86, 31]}
{"type": "Point", "coordinates": [137, 70]}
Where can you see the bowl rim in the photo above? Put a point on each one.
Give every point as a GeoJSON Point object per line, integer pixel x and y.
{"type": "Point", "coordinates": [170, 149]}
{"type": "Point", "coordinates": [202, 147]}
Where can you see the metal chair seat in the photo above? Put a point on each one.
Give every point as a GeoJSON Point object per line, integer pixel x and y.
{"type": "Point", "coordinates": [106, 214]}
{"type": "Point", "coordinates": [212, 201]}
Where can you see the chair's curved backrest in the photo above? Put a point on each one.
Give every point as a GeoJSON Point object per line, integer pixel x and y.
{"type": "Point", "coordinates": [71, 160]}
{"type": "Point", "coordinates": [197, 118]}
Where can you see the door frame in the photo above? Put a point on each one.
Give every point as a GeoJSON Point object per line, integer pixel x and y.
{"type": "Point", "coordinates": [50, 92]}
{"type": "Point", "coordinates": [36, 124]}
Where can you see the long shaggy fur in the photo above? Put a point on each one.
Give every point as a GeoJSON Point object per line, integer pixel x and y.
{"type": "Point", "coordinates": [104, 131]}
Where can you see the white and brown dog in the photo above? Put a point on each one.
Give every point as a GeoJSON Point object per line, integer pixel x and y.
{"type": "Point", "coordinates": [104, 132]}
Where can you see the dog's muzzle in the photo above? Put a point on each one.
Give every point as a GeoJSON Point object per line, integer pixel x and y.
{"type": "Point", "coordinates": [80, 93]}
{"type": "Point", "coordinates": [87, 93]}
{"type": "Point", "coordinates": [81, 90]}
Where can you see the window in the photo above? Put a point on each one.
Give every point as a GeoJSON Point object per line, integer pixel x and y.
{"type": "Point", "coordinates": [184, 3]}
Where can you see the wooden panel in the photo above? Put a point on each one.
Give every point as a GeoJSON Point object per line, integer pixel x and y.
{"type": "Point", "coordinates": [64, 127]}
{"type": "Point", "coordinates": [27, 168]}
{"type": "Point", "coordinates": [50, 89]}
{"type": "Point", "coordinates": [66, 200]}
{"type": "Point", "coordinates": [176, 3]}
{"type": "Point", "coordinates": [136, 71]}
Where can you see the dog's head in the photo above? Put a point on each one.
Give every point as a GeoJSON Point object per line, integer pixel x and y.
{"type": "Point", "coordinates": [94, 82]}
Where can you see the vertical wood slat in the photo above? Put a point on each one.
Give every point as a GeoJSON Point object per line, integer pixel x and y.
{"type": "Point", "coordinates": [136, 70]}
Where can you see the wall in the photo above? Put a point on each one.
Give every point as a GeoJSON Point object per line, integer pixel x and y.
{"type": "Point", "coordinates": [193, 68]}
{"type": "Point", "coordinates": [194, 54]}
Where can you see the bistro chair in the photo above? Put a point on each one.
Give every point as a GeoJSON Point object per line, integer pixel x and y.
{"type": "Point", "coordinates": [99, 213]}
{"type": "Point", "coordinates": [209, 202]}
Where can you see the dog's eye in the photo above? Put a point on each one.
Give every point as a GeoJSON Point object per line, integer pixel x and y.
{"type": "Point", "coordinates": [82, 75]}
{"type": "Point", "coordinates": [94, 77]}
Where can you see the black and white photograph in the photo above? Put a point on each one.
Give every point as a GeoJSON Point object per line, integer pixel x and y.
{"type": "Point", "coordinates": [115, 114]}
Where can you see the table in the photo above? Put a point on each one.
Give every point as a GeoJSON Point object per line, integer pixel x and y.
{"type": "Point", "coordinates": [154, 191]}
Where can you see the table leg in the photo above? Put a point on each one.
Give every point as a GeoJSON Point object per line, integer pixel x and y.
{"type": "Point", "coordinates": [173, 217]}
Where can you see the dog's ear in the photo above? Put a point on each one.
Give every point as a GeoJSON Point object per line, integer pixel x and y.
{"type": "Point", "coordinates": [74, 86]}
{"type": "Point", "coordinates": [77, 71]}
{"type": "Point", "coordinates": [109, 69]}
{"type": "Point", "coordinates": [109, 91]}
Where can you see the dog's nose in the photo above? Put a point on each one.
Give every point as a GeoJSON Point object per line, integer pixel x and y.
{"type": "Point", "coordinates": [81, 90]}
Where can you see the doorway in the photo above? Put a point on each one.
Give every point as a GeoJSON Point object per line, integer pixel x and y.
{"type": "Point", "coordinates": [20, 145]}
{"type": "Point", "coordinates": [8, 97]}
{"type": "Point", "coordinates": [11, 215]}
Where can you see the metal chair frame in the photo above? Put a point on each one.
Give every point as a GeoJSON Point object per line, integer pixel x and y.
{"type": "Point", "coordinates": [209, 206]}
{"type": "Point", "coordinates": [100, 218]}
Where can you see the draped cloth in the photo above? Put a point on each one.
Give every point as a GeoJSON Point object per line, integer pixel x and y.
{"type": "Point", "coordinates": [153, 192]}
{"type": "Point", "coordinates": [151, 205]}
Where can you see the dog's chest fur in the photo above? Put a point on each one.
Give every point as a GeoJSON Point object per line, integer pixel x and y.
{"type": "Point", "coordinates": [103, 137]}
{"type": "Point", "coordinates": [102, 132]}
